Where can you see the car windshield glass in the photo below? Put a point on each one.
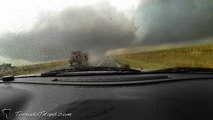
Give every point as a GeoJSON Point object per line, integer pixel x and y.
{"type": "Point", "coordinates": [38, 36]}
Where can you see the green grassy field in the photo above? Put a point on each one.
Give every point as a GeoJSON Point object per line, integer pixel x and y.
{"type": "Point", "coordinates": [28, 69]}
{"type": "Point", "coordinates": [194, 56]}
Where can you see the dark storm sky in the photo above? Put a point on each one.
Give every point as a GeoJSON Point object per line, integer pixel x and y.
{"type": "Point", "coordinates": [98, 28]}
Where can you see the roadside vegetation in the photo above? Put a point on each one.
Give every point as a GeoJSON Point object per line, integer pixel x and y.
{"type": "Point", "coordinates": [28, 69]}
{"type": "Point", "coordinates": [193, 56]}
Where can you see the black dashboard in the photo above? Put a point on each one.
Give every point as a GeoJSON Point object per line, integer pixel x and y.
{"type": "Point", "coordinates": [177, 97]}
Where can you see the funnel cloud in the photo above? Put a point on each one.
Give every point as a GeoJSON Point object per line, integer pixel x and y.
{"type": "Point", "coordinates": [100, 27]}
{"type": "Point", "coordinates": [95, 28]}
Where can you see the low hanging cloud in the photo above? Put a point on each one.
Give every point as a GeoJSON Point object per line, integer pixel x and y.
{"type": "Point", "coordinates": [173, 21]}
{"type": "Point", "coordinates": [100, 27]}
{"type": "Point", "coordinates": [95, 28]}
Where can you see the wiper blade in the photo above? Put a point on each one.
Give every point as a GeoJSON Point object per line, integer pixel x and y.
{"type": "Point", "coordinates": [80, 71]}
{"type": "Point", "coordinates": [184, 70]}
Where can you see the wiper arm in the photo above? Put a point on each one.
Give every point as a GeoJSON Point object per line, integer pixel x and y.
{"type": "Point", "coordinates": [184, 70]}
{"type": "Point", "coordinates": [88, 71]}
{"type": "Point", "coordinates": [80, 71]}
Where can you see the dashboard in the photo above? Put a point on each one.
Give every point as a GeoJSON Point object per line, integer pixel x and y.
{"type": "Point", "coordinates": [176, 97]}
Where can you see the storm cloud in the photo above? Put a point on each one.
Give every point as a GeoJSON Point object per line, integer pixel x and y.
{"type": "Point", "coordinates": [100, 27]}
{"type": "Point", "coordinates": [173, 21]}
{"type": "Point", "coordinates": [95, 28]}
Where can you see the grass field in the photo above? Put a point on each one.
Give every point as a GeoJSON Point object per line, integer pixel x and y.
{"type": "Point", "coordinates": [28, 69]}
{"type": "Point", "coordinates": [194, 56]}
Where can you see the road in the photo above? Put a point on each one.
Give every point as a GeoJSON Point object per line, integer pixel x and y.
{"type": "Point", "coordinates": [108, 62]}
{"type": "Point", "coordinates": [105, 61]}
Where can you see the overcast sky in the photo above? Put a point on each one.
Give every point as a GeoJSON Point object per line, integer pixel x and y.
{"type": "Point", "coordinates": [40, 30]}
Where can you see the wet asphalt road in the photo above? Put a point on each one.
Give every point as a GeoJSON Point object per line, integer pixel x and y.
{"type": "Point", "coordinates": [108, 62]}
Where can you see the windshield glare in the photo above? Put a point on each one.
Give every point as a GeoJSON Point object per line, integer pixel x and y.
{"type": "Point", "coordinates": [43, 35]}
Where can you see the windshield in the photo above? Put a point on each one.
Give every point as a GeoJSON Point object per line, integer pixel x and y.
{"type": "Point", "coordinates": [44, 35]}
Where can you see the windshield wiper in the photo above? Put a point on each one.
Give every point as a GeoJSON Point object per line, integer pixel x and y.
{"type": "Point", "coordinates": [88, 71]}
{"type": "Point", "coordinates": [183, 70]}
{"type": "Point", "coordinates": [83, 71]}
